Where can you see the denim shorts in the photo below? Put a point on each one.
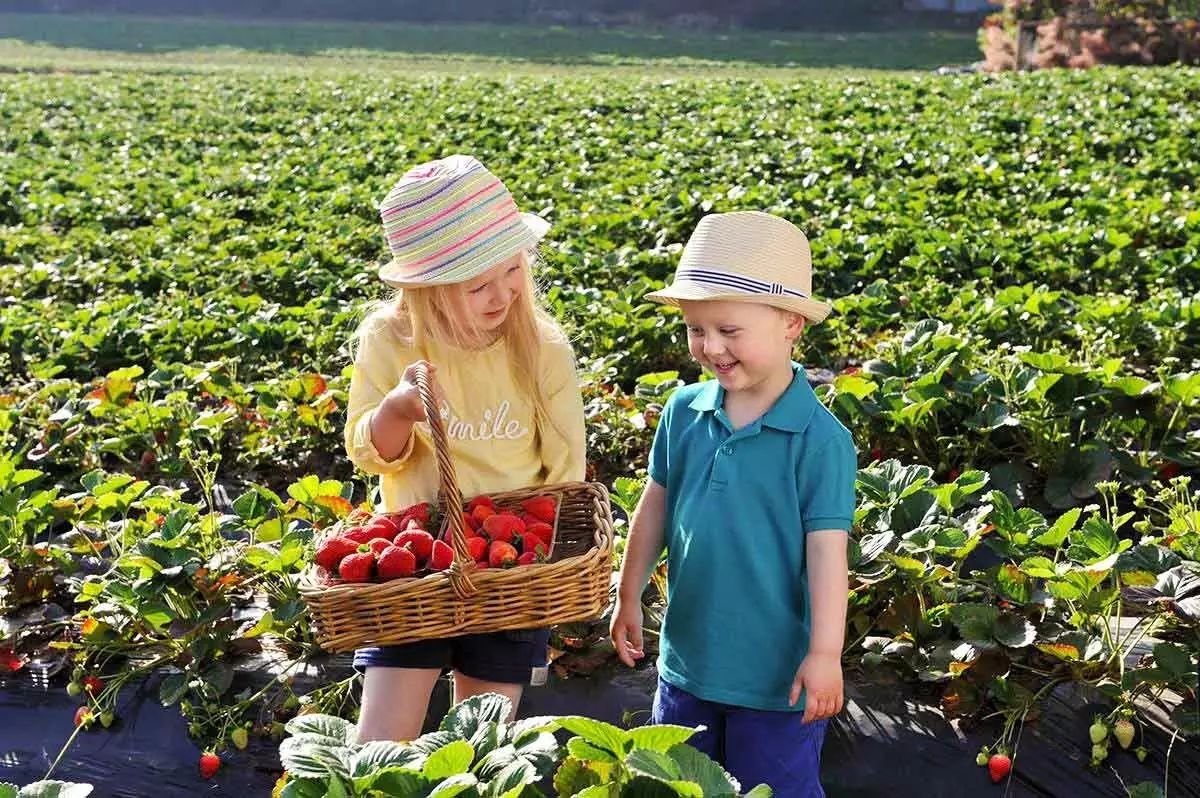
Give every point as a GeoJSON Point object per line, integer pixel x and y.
{"type": "Point", "coordinates": [506, 657]}
{"type": "Point", "coordinates": [756, 746]}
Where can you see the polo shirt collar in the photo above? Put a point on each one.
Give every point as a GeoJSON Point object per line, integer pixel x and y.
{"type": "Point", "coordinates": [791, 412]}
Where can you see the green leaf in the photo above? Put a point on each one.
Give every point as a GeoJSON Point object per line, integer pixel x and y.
{"type": "Point", "coordinates": [573, 776]}
{"type": "Point", "coordinates": [1059, 530]}
{"type": "Point", "coordinates": [1145, 789]}
{"type": "Point", "coordinates": [1013, 583]}
{"type": "Point", "coordinates": [697, 767]}
{"type": "Point", "coordinates": [1014, 631]}
{"type": "Point", "coordinates": [455, 785]}
{"type": "Point", "coordinates": [654, 764]}
{"type": "Point", "coordinates": [380, 755]}
{"type": "Point", "coordinates": [761, 791]}
{"type": "Point", "coordinates": [660, 737]}
{"type": "Point", "coordinates": [464, 719]}
{"type": "Point", "coordinates": [337, 730]}
{"type": "Point", "coordinates": [8, 790]}
{"type": "Point", "coordinates": [313, 757]}
{"type": "Point", "coordinates": [1040, 567]}
{"type": "Point", "coordinates": [172, 689]}
{"type": "Point", "coordinates": [449, 760]}
{"type": "Point", "coordinates": [1174, 659]}
{"type": "Point", "coordinates": [975, 622]}
{"type": "Point", "coordinates": [598, 733]}
{"type": "Point", "coordinates": [583, 750]}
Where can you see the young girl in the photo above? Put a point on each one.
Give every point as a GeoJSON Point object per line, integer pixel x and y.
{"type": "Point", "coordinates": [509, 396]}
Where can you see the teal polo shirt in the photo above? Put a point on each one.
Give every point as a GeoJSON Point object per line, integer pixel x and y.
{"type": "Point", "coordinates": [739, 504]}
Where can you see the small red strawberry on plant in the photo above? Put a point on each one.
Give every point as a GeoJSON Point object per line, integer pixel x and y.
{"type": "Point", "coordinates": [542, 508]}
{"type": "Point", "coordinates": [83, 717]}
{"type": "Point", "coordinates": [999, 766]}
{"type": "Point", "coordinates": [442, 556]}
{"type": "Point", "coordinates": [418, 540]}
{"type": "Point", "coordinates": [501, 554]}
{"type": "Point", "coordinates": [358, 566]}
{"type": "Point", "coordinates": [396, 562]}
{"type": "Point", "coordinates": [93, 685]}
{"type": "Point", "coordinates": [210, 763]}
{"type": "Point", "coordinates": [333, 550]}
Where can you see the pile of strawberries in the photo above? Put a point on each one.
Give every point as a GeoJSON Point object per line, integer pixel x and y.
{"type": "Point", "coordinates": [400, 546]}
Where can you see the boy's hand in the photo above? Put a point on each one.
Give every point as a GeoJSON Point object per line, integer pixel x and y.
{"type": "Point", "coordinates": [820, 678]}
{"type": "Point", "coordinates": [626, 631]}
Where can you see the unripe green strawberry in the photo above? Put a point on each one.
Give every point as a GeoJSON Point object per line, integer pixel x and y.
{"type": "Point", "coordinates": [106, 718]}
{"type": "Point", "coordinates": [1098, 732]}
{"type": "Point", "coordinates": [74, 689]}
{"type": "Point", "coordinates": [1099, 752]}
{"type": "Point", "coordinates": [240, 738]}
{"type": "Point", "coordinates": [981, 759]}
{"type": "Point", "coordinates": [1123, 732]}
{"type": "Point", "coordinates": [1141, 753]}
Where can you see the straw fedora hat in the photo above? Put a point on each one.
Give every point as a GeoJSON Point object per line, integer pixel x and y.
{"type": "Point", "coordinates": [450, 220]}
{"type": "Point", "coordinates": [746, 256]}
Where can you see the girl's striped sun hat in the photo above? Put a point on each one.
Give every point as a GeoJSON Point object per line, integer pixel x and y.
{"type": "Point", "coordinates": [450, 220]}
{"type": "Point", "coordinates": [746, 256]}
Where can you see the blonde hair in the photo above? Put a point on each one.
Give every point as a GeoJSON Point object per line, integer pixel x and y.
{"type": "Point", "coordinates": [436, 314]}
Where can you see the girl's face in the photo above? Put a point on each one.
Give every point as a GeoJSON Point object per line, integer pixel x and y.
{"type": "Point", "coordinates": [489, 296]}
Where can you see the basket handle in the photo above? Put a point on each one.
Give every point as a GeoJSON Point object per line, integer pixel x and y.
{"type": "Point", "coordinates": [451, 495]}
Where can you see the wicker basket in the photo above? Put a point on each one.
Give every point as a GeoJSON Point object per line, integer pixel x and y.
{"type": "Point", "coordinates": [464, 599]}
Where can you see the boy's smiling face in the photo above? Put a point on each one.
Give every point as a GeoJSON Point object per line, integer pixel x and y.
{"type": "Point", "coordinates": [748, 346]}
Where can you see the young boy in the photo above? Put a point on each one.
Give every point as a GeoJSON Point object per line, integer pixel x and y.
{"type": "Point", "coordinates": [751, 491]}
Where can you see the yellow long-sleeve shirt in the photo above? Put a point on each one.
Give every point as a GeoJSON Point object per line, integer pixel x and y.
{"type": "Point", "coordinates": [494, 443]}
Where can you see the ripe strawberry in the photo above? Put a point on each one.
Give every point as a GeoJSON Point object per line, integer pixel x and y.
{"type": "Point", "coordinates": [480, 501]}
{"type": "Point", "coordinates": [1168, 471]}
{"type": "Point", "coordinates": [209, 764]}
{"type": "Point", "coordinates": [998, 767]}
{"type": "Point", "coordinates": [332, 550]}
{"type": "Point", "coordinates": [528, 558]}
{"type": "Point", "coordinates": [358, 534]}
{"type": "Point", "coordinates": [482, 564]}
{"type": "Point", "coordinates": [358, 566]}
{"type": "Point", "coordinates": [1123, 731]}
{"type": "Point", "coordinates": [93, 685]}
{"type": "Point", "coordinates": [378, 545]}
{"type": "Point", "coordinates": [83, 717]}
{"type": "Point", "coordinates": [442, 556]}
{"type": "Point", "coordinates": [422, 512]}
{"type": "Point", "coordinates": [478, 548]}
{"type": "Point", "coordinates": [544, 532]}
{"type": "Point", "coordinates": [503, 526]}
{"type": "Point", "coordinates": [482, 513]}
{"type": "Point", "coordinates": [396, 562]}
{"type": "Point", "coordinates": [876, 454]}
{"type": "Point", "coordinates": [541, 508]}
{"type": "Point", "coordinates": [529, 520]}
{"type": "Point", "coordinates": [384, 526]}
{"type": "Point", "coordinates": [501, 554]}
{"type": "Point", "coordinates": [413, 524]}
{"type": "Point", "coordinates": [1098, 731]}
{"type": "Point", "coordinates": [418, 540]}
{"type": "Point", "coordinates": [470, 523]}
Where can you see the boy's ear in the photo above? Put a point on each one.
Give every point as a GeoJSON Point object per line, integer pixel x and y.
{"type": "Point", "coordinates": [795, 324]}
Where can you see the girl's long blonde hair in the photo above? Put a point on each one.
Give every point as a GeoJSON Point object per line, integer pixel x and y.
{"type": "Point", "coordinates": [436, 314]}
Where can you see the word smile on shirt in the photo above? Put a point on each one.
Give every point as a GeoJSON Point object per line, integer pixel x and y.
{"type": "Point", "coordinates": [495, 425]}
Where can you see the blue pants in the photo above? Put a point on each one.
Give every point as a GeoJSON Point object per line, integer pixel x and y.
{"type": "Point", "coordinates": [756, 746]}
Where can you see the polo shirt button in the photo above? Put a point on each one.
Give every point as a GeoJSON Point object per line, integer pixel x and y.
{"type": "Point", "coordinates": [726, 450]}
